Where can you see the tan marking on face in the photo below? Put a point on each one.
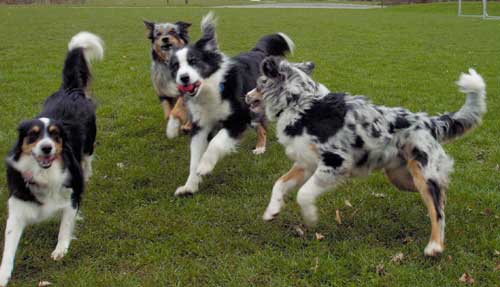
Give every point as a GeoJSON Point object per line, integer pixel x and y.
{"type": "Point", "coordinates": [172, 39]}
{"type": "Point", "coordinates": [58, 141]}
{"type": "Point", "coordinates": [27, 147]}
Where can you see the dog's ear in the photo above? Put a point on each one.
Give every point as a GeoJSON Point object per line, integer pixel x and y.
{"type": "Point", "coordinates": [183, 30]}
{"type": "Point", "coordinates": [208, 41]}
{"type": "Point", "coordinates": [22, 132]}
{"type": "Point", "coordinates": [149, 25]}
{"type": "Point", "coordinates": [270, 67]}
{"type": "Point", "coordinates": [306, 67]}
{"type": "Point", "coordinates": [150, 29]}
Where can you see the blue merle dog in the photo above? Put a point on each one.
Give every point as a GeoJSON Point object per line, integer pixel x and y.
{"type": "Point", "coordinates": [335, 136]}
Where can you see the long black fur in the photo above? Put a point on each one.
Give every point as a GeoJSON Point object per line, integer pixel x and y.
{"type": "Point", "coordinates": [74, 113]}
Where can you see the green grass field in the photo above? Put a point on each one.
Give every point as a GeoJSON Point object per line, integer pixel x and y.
{"type": "Point", "coordinates": [136, 233]}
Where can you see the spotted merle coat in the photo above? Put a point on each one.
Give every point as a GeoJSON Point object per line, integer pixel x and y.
{"type": "Point", "coordinates": [335, 136]}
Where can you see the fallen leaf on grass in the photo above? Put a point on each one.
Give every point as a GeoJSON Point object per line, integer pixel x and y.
{"type": "Point", "coordinates": [466, 278]}
{"type": "Point", "coordinates": [44, 283]}
{"type": "Point", "coordinates": [497, 268]}
{"type": "Point", "coordinates": [120, 165]}
{"type": "Point", "coordinates": [319, 236]}
{"type": "Point", "coordinates": [380, 269]}
{"type": "Point", "coordinates": [347, 203]}
{"type": "Point", "coordinates": [497, 253]}
{"type": "Point", "coordinates": [398, 258]}
{"type": "Point", "coordinates": [379, 195]}
{"type": "Point", "coordinates": [450, 258]}
{"type": "Point", "coordinates": [487, 212]}
{"type": "Point", "coordinates": [316, 264]}
{"type": "Point", "coordinates": [337, 216]}
{"type": "Point", "coordinates": [300, 232]}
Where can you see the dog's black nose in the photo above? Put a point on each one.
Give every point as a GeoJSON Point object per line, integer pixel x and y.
{"type": "Point", "coordinates": [185, 79]}
{"type": "Point", "coordinates": [165, 40]}
{"type": "Point", "coordinates": [46, 149]}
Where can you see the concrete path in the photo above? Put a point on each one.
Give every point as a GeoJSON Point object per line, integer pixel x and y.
{"type": "Point", "coordinates": [305, 5]}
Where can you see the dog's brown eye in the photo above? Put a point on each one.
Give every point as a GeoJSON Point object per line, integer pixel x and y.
{"type": "Point", "coordinates": [33, 135]}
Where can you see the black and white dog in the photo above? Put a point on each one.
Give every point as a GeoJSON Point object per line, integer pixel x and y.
{"type": "Point", "coordinates": [51, 161]}
{"type": "Point", "coordinates": [214, 87]}
{"type": "Point", "coordinates": [335, 136]}
{"type": "Point", "coordinates": [164, 37]}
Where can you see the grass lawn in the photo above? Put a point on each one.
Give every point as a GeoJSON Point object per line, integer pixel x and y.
{"type": "Point", "coordinates": [136, 233]}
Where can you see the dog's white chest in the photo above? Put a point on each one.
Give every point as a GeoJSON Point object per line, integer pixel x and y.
{"type": "Point", "coordinates": [208, 108]}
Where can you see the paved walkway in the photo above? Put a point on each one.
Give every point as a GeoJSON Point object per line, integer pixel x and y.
{"type": "Point", "coordinates": [305, 5]}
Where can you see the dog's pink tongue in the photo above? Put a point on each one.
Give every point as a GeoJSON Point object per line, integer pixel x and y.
{"type": "Point", "coordinates": [186, 89]}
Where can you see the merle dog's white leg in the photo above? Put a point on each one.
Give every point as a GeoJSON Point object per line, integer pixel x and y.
{"type": "Point", "coordinates": [315, 186]}
{"type": "Point", "coordinates": [221, 145]}
{"type": "Point", "coordinates": [293, 178]}
{"type": "Point", "coordinates": [198, 146]}
{"type": "Point", "coordinates": [65, 232]}
{"type": "Point", "coordinates": [13, 231]}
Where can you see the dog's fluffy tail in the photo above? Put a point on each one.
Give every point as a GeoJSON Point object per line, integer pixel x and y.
{"type": "Point", "coordinates": [278, 44]}
{"type": "Point", "coordinates": [83, 48]}
{"type": "Point", "coordinates": [453, 125]}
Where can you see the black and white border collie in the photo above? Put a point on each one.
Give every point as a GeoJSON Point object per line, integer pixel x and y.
{"type": "Point", "coordinates": [334, 136]}
{"type": "Point", "coordinates": [164, 37]}
{"type": "Point", "coordinates": [214, 87]}
{"type": "Point", "coordinates": [51, 161]}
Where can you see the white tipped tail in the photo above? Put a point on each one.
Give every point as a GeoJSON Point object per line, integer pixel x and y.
{"type": "Point", "coordinates": [453, 125]}
{"type": "Point", "coordinates": [289, 42]}
{"type": "Point", "coordinates": [92, 45]}
{"type": "Point", "coordinates": [474, 86]}
{"type": "Point", "coordinates": [208, 21]}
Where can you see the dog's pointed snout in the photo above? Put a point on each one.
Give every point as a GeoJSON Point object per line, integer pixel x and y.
{"type": "Point", "coordinates": [184, 79]}
{"type": "Point", "coordinates": [46, 149]}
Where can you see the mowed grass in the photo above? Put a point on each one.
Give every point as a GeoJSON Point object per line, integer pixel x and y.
{"type": "Point", "coordinates": [136, 233]}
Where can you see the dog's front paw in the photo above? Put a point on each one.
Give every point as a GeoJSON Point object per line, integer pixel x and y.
{"type": "Point", "coordinates": [204, 168]}
{"type": "Point", "coordinates": [173, 127]}
{"type": "Point", "coordinates": [259, 150]}
{"type": "Point", "coordinates": [272, 211]}
{"type": "Point", "coordinates": [433, 249]}
{"type": "Point", "coordinates": [59, 253]}
{"type": "Point", "coordinates": [185, 190]}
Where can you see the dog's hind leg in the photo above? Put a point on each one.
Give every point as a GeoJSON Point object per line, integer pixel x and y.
{"type": "Point", "coordinates": [221, 145]}
{"type": "Point", "coordinates": [293, 178]}
{"type": "Point", "coordinates": [13, 231]}
{"type": "Point", "coordinates": [430, 166]}
{"type": "Point", "coordinates": [65, 232]}
{"type": "Point", "coordinates": [433, 197]}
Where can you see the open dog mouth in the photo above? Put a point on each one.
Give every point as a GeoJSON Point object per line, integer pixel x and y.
{"type": "Point", "coordinates": [45, 161]}
{"type": "Point", "coordinates": [190, 89]}
{"type": "Point", "coordinates": [166, 46]}
{"type": "Point", "coordinates": [255, 105]}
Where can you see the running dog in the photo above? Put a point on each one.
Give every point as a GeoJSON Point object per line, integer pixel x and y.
{"type": "Point", "coordinates": [164, 37]}
{"type": "Point", "coordinates": [214, 87]}
{"type": "Point", "coordinates": [51, 161]}
{"type": "Point", "coordinates": [335, 136]}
